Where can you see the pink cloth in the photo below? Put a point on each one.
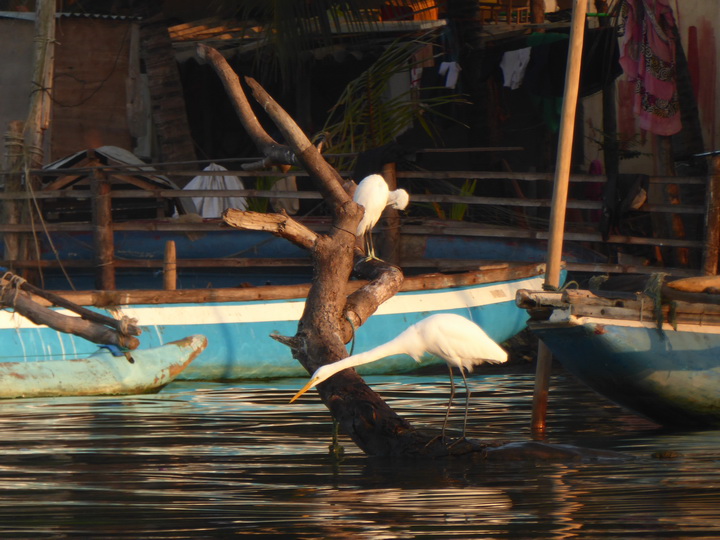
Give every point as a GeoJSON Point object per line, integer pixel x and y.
{"type": "Point", "coordinates": [648, 58]}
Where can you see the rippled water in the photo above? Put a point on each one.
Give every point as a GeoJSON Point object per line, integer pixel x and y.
{"type": "Point", "coordinates": [208, 460]}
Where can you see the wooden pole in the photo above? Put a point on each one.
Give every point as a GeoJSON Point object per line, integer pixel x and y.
{"type": "Point", "coordinates": [390, 245]}
{"type": "Point", "coordinates": [559, 201]}
{"type": "Point", "coordinates": [103, 232]}
{"type": "Point", "coordinates": [712, 221]}
{"type": "Point", "coordinates": [170, 266]}
{"type": "Point", "coordinates": [38, 119]}
{"type": "Point", "coordinates": [12, 209]}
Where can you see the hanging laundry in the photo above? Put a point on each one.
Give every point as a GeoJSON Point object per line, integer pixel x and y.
{"type": "Point", "coordinates": [513, 65]}
{"type": "Point", "coordinates": [212, 207]}
{"type": "Point", "coordinates": [648, 58]}
{"type": "Point", "coordinates": [452, 70]}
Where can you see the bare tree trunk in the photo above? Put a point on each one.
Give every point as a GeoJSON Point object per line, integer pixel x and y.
{"type": "Point", "coordinates": [325, 327]}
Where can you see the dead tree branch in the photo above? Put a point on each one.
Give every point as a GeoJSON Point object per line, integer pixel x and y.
{"type": "Point", "coordinates": [324, 328]}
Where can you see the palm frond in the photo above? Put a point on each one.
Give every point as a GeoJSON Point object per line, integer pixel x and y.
{"type": "Point", "coordinates": [367, 116]}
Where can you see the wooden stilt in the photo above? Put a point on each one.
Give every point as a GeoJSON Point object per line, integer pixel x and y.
{"type": "Point", "coordinates": [12, 209]}
{"type": "Point", "coordinates": [559, 201]}
{"type": "Point", "coordinates": [170, 267]}
{"type": "Point", "coordinates": [712, 221]}
{"type": "Point", "coordinates": [103, 232]}
{"type": "Point", "coordinates": [390, 244]}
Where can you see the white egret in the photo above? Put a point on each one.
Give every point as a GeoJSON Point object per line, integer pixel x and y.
{"type": "Point", "coordinates": [374, 195]}
{"type": "Point", "coordinates": [455, 339]}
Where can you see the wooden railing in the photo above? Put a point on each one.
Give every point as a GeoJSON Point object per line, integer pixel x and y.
{"type": "Point", "coordinates": [588, 233]}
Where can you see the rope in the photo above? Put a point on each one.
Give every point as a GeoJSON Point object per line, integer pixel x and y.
{"type": "Point", "coordinates": [11, 280]}
{"type": "Point", "coordinates": [28, 185]}
{"type": "Point", "coordinates": [123, 320]}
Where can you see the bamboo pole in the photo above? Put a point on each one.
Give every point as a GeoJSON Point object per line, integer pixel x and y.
{"type": "Point", "coordinates": [559, 204]}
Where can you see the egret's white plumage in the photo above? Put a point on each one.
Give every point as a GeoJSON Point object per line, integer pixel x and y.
{"type": "Point", "coordinates": [374, 195]}
{"type": "Point", "coordinates": [455, 339]}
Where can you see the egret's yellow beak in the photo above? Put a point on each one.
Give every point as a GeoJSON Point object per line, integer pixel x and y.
{"type": "Point", "coordinates": [305, 388]}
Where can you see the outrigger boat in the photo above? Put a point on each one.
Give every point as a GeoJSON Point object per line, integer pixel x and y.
{"type": "Point", "coordinates": [99, 373]}
{"type": "Point", "coordinates": [657, 354]}
{"type": "Point", "coordinates": [73, 364]}
{"type": "Point", "coordinates": [238, 322]}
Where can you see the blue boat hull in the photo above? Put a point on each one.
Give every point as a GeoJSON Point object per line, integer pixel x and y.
{"type": "Point", "coordinates": [671, 376]}
{"type": "Point", "coordinates": [149, 246]}
{"type": "Point", "coordinates": [239, 346]}
{"type": "Point", "coordinates": [99, 373]}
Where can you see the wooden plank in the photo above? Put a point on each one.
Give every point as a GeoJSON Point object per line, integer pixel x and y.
{"type": "Point", "coordinates": [90, 94]}
{"type": "Point", "coordinates": [280, 292]}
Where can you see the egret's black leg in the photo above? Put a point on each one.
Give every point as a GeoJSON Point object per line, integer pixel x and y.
{"type": "Point", "coordinates": [467, 404]}
{"type": "Point", "coordinates": [452, 396]}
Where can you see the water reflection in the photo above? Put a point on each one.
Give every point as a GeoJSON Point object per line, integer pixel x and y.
{"type": "Point", "coordinates": [210, 460]}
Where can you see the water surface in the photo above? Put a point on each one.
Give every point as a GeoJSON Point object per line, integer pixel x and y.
{"type": "Point", "coordinates": [208, 460]}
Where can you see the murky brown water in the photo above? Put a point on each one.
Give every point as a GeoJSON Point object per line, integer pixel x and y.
{"type": "Point", "coordinates": [209, 460]}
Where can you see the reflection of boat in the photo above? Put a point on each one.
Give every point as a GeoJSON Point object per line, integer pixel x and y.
{"type": "Point", "coordinates": [658, 358]}
{"type": "Point", "coordinates": [238, 322]}
{"type": "Point", "coordinates": [99, 373]}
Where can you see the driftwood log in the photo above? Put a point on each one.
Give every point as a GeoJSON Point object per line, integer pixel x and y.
{"type": "Point", "coordinates": [330, 314]}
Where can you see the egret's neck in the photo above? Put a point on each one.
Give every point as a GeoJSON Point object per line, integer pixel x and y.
{"type": "Point", "coordinates": [390, 348]}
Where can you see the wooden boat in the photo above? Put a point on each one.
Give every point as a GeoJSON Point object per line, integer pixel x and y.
{"type": "Point", "coordinates": [657, 356]}
{"type": "Point", "coordinates": [208, 255]}
{"type": "Point", "coordinates": [98, 373]}
{"type": "Point", "coordinates": [238, 322]}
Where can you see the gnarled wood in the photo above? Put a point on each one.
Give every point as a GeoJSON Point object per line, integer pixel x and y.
{"type": "Point", "coordinates": [97, 333]}
{"type": "Point", "coordinates": [324, 328]}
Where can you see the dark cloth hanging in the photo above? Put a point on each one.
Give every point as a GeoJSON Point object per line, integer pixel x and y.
{"type": "Point", "coordinates": [621, 195]}
{"type": "Point", "coordinates": [371, 161]}
{"type": "Point", "coordinates": [545, 75]}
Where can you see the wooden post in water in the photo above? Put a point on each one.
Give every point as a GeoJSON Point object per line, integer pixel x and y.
{"type": "Point", "coordinates": [559, 202]}
{"type": "Point", "coordinates": [103, 232]}
{"type": "Point", "coordinates": [170, 266]}
{"type": "Point", "coordinates": [712, 220]}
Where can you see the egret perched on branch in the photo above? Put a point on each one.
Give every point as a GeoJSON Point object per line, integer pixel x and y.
{"type": "Point", "coordinates": [374, 195]}
{"type": "Point", "coordinates": [455, 339]}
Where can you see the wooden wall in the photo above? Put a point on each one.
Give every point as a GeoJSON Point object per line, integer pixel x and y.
{"type": "Point", "coordinates": [91, 79]}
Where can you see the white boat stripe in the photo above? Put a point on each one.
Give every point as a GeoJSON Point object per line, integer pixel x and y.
{"type": "Point", "coordinates": [291, 310]}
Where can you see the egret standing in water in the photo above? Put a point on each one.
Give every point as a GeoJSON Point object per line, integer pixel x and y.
{"type": "Point", "coordinates": [374, 195]}
{"type": "Point", "coordinates": [455, 339]}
